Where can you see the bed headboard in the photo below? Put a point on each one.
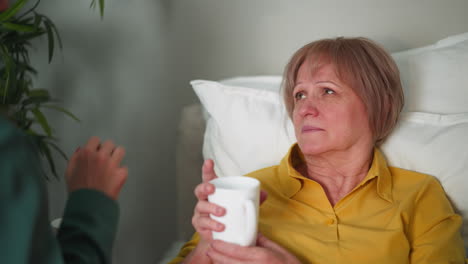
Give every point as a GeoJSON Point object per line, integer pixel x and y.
{"type": "Point", "coordinates": [189, 160]}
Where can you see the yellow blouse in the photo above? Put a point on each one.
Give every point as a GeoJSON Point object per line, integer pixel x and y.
{"type": "Point", "coordinates": [392, 216]}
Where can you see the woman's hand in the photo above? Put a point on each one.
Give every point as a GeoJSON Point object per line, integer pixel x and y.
{"type": "Point", "coordinates": [97, 166]}
{"type": "Point", "coordinates": [266, 251]}
{"type": "Point", "coordinates": [201, 220]}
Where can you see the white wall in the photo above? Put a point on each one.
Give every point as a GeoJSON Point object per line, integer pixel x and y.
{"type": "Point", "coordinates": [112, 76]}
{"type": "Point", "coordinates": [221, 38]}
{"type": "Point", "coordinates": [127, 77]}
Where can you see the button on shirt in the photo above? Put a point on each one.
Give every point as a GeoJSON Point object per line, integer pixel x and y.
{"type": "Point", "coordinates": [392, 216]}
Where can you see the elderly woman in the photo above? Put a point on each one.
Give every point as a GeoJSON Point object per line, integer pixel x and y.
{"type": "Point", "coordinates": [333, 198]}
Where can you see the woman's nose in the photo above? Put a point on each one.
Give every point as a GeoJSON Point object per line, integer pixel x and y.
{"type": "Point", "coordinates": [308, 107]}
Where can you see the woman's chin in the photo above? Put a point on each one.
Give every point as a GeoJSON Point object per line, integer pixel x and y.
{"type": "Point", "coordinates": [312, 149]}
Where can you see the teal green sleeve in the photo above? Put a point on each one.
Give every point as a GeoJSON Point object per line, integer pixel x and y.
{"type": "Point", "coordinates": [88, 227]}
{"type": "Point", "coordinates": [89, 223]}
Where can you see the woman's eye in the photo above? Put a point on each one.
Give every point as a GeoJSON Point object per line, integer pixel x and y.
{"type": "Point", "coordinates": [299, 96]}
{"type": "Point", "coordinates": [328, 91]}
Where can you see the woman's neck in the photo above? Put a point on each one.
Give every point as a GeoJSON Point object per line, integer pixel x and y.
{"type": "Point", "coordinates": [338, 172]}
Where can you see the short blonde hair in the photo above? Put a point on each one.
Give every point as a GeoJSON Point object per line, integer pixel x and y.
{"type": "Point", "coordinates": [363, 65]}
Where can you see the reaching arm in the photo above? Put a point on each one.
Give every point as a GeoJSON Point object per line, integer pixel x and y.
{"type": "Point", "coordinates": [89, 223]}
{"type": "Point", "coordinates": [88, 228]}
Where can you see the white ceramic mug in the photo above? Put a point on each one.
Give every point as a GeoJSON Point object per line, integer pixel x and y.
{"type": "Point", "coordinates": [240, 196]}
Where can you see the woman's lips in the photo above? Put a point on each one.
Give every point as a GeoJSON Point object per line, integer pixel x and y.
{"type": "Point", "coordinates": [310, 129]}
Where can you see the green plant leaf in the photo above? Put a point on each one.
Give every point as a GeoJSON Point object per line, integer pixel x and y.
{"type": "Point", "coordinates": [13, 10]}
{"type": "Point", "coordinates": [18, 33]}
{"type": "Point", "coordinates": [101, 8]}
{"type": "Point", "coordinates": [26, 21]}
{"type": "Point", "coordinates": [50, 160]}
{"type": "Point", "coordinates": [24, 67]}
{"type": "Point", "coordinates": [50, 39]}
{"type": "Point", "coordinates": [38, 141]}
{"type": "Point", "coordinates": [57, 148]}
{"type": "Point", "coordinates": [38, 93]}
{"type": "Point", "coordinates": [36, 101]}
{"type": "Point", "coordinates": [36, 97]}
{"type": "Point", "coordinates": [21, 119]}
{"type": "Point", "coordinates": [63, 110]}
{"type": "Point", "coordinates": [55, 31]}
{"type": "Point", "coordinates": [42, 121]}
{"type": "Point", "coordinates": [19, 27]}
{"type": "Point", "coordinates": [31, 9]}
{"type": "Point", "coordinates": [37, 19]}
{"type": "Point", "coordinates": [35, 134]}
{"type": "Point", "coordinates": [27, 36]}
{"type": "Point", "coordinates": [6, 74]}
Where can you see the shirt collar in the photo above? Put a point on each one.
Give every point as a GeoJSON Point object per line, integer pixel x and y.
{"type": "Point", "coordinates": [289, 177]}
{"type": "Point", "coordinates": [379, 169]}
{"type": "Point", "coordinates": [291, 180]}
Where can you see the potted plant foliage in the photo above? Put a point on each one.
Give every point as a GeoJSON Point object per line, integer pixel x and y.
{"type": "Point", "coordinates": [20, 101]}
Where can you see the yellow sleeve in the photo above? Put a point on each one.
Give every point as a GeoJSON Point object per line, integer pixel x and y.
{"type": "Point", "coordinates": [186, 249]}
{"type": "Point", "coordinates": [434, 230]}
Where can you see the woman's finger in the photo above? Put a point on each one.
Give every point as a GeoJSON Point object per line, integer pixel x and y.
{"type": "Point", "coordinates": [205, 234]}
{"type": "Point", "coordinates": [218, 258]}
{"type": "Point", "coordinates": [223, 252]}
{"type": "Point", "coordinates": [208, 172]}
{"type": "Point", "coordinates": [263, 241]}
{"type": "Point", "coordinates": [203, 190]}
{"type": "Point", "coordinates": [204, 207]}
{"type": "Point", "coordinates": [205, 222]}
{"type": "Point", "coordinates": [263, 196]}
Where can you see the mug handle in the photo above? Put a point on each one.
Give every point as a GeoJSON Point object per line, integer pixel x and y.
{"type": "Point", "coordinates": [250, 222]}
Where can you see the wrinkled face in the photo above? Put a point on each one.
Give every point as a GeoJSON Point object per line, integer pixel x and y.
{"type": "Point", "coordinates": [328, 115]}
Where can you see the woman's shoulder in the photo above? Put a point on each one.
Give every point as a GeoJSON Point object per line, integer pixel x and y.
{"type": "Point", "coordinates": [409, 175]}
{"type": "Point", "coordinates": [408, 181]}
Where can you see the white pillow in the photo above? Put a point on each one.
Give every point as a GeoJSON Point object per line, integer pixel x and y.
{"type": "Point", "coordinates": [435, 77]}
{"type": "Point", "coordinates": [266, 82]}
{"type": "Point", "coordinates": [248, 129]}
